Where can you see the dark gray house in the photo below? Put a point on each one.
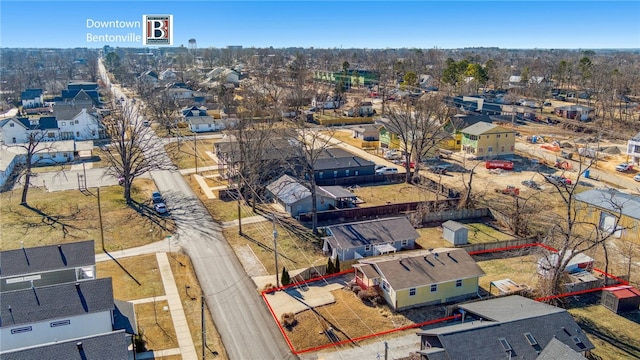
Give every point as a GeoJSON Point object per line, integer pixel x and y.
{"type": "Point", "coordinates": [511, 327]}
{"type": "Point", "coordinates": [47, 265]}
{"type": "Point", "coordinates": [369, 238]}
{"type": "Point", "coordinates": [335, 163]}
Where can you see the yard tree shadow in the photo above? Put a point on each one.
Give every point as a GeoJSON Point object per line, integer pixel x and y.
{"type": "Point", "coordinates": [52, 221]}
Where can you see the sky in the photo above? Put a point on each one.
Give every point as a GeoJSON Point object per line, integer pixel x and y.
{"type": "Point", "coordinates": [330, 24]}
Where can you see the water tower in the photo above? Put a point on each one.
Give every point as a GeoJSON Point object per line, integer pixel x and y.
{"type": "Point", "coordinates": [193, 46]}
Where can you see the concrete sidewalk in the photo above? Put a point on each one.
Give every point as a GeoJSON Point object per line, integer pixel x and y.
{"type": "Point", "coordinates": [169, 244]}
{"type": "Point", "coordinates": [185, 342]}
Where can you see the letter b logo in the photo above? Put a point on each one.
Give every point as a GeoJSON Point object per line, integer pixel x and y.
{"type": "Point", "coordinates": [158, 30]}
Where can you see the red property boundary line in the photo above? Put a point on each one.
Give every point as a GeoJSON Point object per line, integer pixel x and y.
{"type": "Point", "coordinates": [448, 318]}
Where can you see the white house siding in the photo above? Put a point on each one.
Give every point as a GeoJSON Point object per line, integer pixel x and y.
{"type": "Point", "coordinates": [17, 132]}
{"type": "Point", "coordinates": [83, 126]}
{"type": "Point", "coordinates": [8, 162]}
{"type": "Point", "coordinates": [43, 332]}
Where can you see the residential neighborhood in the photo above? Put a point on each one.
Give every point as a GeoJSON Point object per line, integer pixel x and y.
{"type": "Point", "coordinates": [196, 201]}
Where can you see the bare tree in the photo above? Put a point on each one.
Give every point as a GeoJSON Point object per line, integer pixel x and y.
{"type": "Point", "coordinates": [164, 108]}
{"type": "Point", "coordinates": [419, 127]}
{"type": "Point", "coordinates": [134, 149]}
{"type": "Point", "coordinates": [36, 152]}
{"type": "Point", "coordinates": [572, 232]}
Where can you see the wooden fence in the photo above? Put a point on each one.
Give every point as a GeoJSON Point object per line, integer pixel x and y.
{"type": "Point", "coordinates": [462, 214]}
{"type": "Point", "coordinates": [498, 244]}
{"type": "Point", "coordinates": [361, 179]}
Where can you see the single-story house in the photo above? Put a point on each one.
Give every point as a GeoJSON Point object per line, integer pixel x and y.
{"type": "Point", "coordinates": [422, 277]}
{"type": "Point", "coordinates": [296, 198]}
{"type": "Point", "coordinates": [488, 140]}
{"type": "Point", "coordinates": [52, 152]}
{"type": "Point", "coordinates": [369, 238]}
{"type": "Point", "coordinates": [32, 98]}
{"type": "Point", "coordinates": [633, 149]}
{"type": "Point", "coordinates": [367, 132]}
{"type": "Point", "coordinates": [576, 112]}
{"type": "Point", "coordinates": [509, 327]}
{"type": "Point", "coordinates": [168, 75]}
{"type": "Point", "coordinates": [8, 162]}
{"type": "Point", "coordinates": [612, 210]}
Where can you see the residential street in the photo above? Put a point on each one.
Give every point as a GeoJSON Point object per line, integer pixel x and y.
{"type": "Point", "coordinates": [242, 319]}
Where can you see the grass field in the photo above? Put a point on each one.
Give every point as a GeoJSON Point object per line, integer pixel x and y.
{"type": "Point", "coordinates": [373, 195]}
{"type": "Point", "coordinates": [479, 232]}
{"type": "Point", "coordinates": [183, 155]}
{"type": "Point", "coordinates": [295, 252]}
{"type": "Point", "coordinates": [615, 337]}
{"type": "Point", "coordinates": [67, 216]}
{"type": "Point", "coordinates": [139, 278]}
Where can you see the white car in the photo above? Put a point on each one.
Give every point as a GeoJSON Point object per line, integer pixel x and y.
{"type": "Point", "coordinates": [637, 177]}
{"type": "Point", "coordinates": [624, 167]}
{"type": "Point", "coordinates": [387, 170]}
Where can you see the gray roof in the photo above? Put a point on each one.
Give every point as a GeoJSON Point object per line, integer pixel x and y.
{"type": "Point", "coordinates": [65, 111]}
{"type": "Point", "coordinates": [508, 318]}
{"type": "Point", "coordinates": [333, 158]}
{"type": "Point", "coordinates": [55, 302]}
{"type": "Point", "coordinates": [372, 232]}
{"type": "Point", "coordinates": [109, 346]}
{"type": "Point", "coordinates": [420, 268]}
{"type": "Point", "coordinates": [46, 258]}
{"type": "Point", "coordinates": [337, 192]}
{"type": "Point", "coordinates": [556, 349]}
{"type": "Point", "coordinates": [200, 120]}
{"type": "Point", "coordinates": [481, 128]}
{"type": "Point", "coordinates": [124, 317]}
{"type": "Point", "coordinates": [453, 225]}
{"type": "Point", "coordinates": [612, 200]}
{"type": "Point", "coordinates": [510, 308]}
{"type": "Point", "coordinates": [288, 190]}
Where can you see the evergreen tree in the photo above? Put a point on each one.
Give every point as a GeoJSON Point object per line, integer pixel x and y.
{"type": "Point", "coordinates": [330, 268]}
{"type": "Point", "coordinates": [336, 268]}
{"type": "Point", "coordinates": [285, 279]}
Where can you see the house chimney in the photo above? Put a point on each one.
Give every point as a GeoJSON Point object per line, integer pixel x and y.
{"type": "Point", "coordinates": [79, 345]}
{"type": "Point", "coordinates": [77, 285]}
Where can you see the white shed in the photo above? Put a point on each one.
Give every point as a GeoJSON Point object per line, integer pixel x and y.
{"type": "Point", "coordinates": [455, 232]}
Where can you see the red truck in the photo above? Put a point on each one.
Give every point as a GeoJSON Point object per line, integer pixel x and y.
{"type": "Point", "coordinates": [499, 164]}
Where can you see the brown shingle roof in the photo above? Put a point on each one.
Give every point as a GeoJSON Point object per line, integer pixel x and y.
{"type": "Point", "coordinates": [420, 268]}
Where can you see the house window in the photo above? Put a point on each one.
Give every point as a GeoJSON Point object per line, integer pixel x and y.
{"type": "Point", "coordinates": [412, 292]}
{"type": "Point", "coordinates": [487, 136]}
{"type": "Point", "coordinates": [457, 142]}
{"type": "Point", "coordinates": [335, 173]}
{"type": "Point", "coordinates": [66, 154]}
{"type": "Point", "coordinates": [77, 121]}
{"type": "Point", "coordinates": [385, 285]}
{"type": "Point", "coordinates": [502, 149]}
{"type": "Point", "coordinates": [506, 135]}
{"type": "Point", "coordinates": [346, 173]}
{"type": "Point", "coordinates": [13, 140]}
{"type": "Point", "coordinates": [60, 323]}
{"type": "Point", "coordinates": [511, 147]}
{"type": "Point", "coordinates": [77, 133]}
{"type": "Point", "coordinates": [404, 242]}
{"type": "Point", "coordinates": [367, 248]}
{"type": "Point", "coordinates": [10, 124]}
{"type": "Point", "coordinates": [498, 136]}
{"type": "Point", "coordinates": [320, 175]}
{"type": "Point", "coordinates": [459, 283]}
{"type": "Point", "coordinates": [21, 330]}
{"type": "Point", "coordinates": [64, 123]}
{"type": "Point", "coordinates": [356, 173]}
{"type": "Point", "coordinates": [490, 149]}
{"type": "Point", "coordinates": [51, 135]}
{"type": "Point", "coordinates": [480, 150]}
{"type": "Point", "coordinates": [434, 287]}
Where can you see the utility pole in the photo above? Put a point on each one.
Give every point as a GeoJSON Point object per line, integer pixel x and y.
{"type": "Point", "coordinates": [386, 350]}
{"type": "Point", "coordinates": [275, 246]}
{"type": "Point", "coordinates": [195, 148]}
{"type": "Point", "coordinates": [100, 218]}
{"type": "Point", "coordinates": [204, 331]}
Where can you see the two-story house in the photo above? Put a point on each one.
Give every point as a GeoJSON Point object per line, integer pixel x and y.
{"type": "Point", "coordinates": [32, 98]}
{"type": "Point", "coordinates": [633, 149]}
{"type": "Point", "coordinates": [52, 300]}
{"type": "Point", "coordinates": [488, 140]}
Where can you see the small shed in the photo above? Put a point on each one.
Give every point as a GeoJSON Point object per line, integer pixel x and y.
{"type": "Point", "coordinates": [621, 299]}
{"type": "Point", "coordinates": [455, 232]}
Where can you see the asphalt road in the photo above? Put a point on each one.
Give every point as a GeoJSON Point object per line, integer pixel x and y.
{"type": "Point", "coordinates": [242, 319]}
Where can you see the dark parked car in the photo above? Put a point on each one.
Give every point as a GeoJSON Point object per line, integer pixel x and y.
{"type": "Point", "coordinates": [156, 197]}
{"type": "Point", "coordinates": [531, 184]}
{"type": "Point", "coordinates": [439, 169]}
